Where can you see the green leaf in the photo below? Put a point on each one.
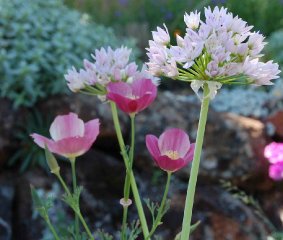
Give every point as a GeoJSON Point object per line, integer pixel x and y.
{"type": "Point", "coordinates": [38, 203]}
{"type": "Point", "coordinates": [103, 235]}
{"type": "Point", "coordinates": [35, 197]}
{"type": "Point", "coordinates": [73, 199]}
{"type": "Point", "coordinates": [134, 230]}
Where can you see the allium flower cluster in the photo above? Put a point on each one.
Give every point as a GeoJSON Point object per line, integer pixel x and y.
{"type": "Point", "coordinates": [274, 153]}
{"type": "Point", "coordinates": [222, 48]}
{"type": "Point", "coordinates": [109, 66]}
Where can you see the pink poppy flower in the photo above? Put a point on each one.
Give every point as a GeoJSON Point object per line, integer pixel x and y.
{"type": "Point", "coordinates": [134, 97]}
{"type": "Point", "coordinates": [71, 137]}
{"type": "Point", "coordinates": [172, 151]}
{"type": "Point", "coordinates": [274, 152]}
{"type": "Point", "coordinates": [276, 171]}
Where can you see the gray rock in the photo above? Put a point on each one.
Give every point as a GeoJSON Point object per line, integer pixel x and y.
{"type": "Point", "coordinates": [6, 210]}
{"type": "Point", "coordinates": [222, 216]}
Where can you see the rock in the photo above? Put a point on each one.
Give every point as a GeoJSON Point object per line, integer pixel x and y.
{"type": "Point", "coordinates": [9, 118]}
{"type": "Point", "coordinates": [27, 227]}
{"type": "Point", "coordinates": [222, 216]}
{"type": "Point", "coordinates": [277, 122]}
{"type": "Point", "coordinates": [102, 177]}
{"type": "Point", "coordinates": [271, 201]}
{"type": "Point", "coordinates": [6, 209]}
{"type": "Point", "coordinates": [231, 141]}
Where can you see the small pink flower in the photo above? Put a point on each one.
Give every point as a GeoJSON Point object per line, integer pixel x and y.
{"type": "Point", "coordinates": [172, 151]}
{"type": "Point", "coordinates": [274, 152]}
{"type": "Point", "coordinates": [276, 171]}
{"type": "Point", "coordinates": [71, 137]}
{"type": "Point", "coordinates": [132, 98]}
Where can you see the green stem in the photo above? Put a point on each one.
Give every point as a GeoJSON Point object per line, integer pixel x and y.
{"type": "Point", "coordinates": [124, 226]}
{"type": "Point", "coordinates": [132, 177]}
{"type": "Point", "coordinates": [63, 184]}
{"type": "Point", "coordinates": [85, 225]}
{"type": "Point", "coordinates": [132, 149]}
{"type": "Point", "coordinates": [127, 180]}
{"type": "Point", "coordinates": [119, 133]}
{"type": "Point", "coordinates": [77, 212]}
{"type": "Point", "coordinates": [73, 164]}
{"type": "Point", "coordinates": [185, 234]}
{"type": "Point", "coordinates": [161, 208]}
{"type": "Point", "coordinates": [52, 229]}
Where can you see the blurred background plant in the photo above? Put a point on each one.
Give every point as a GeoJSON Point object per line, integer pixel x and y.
{"type": "Point", "coordinates": [250, 102]}
{"type": "Point", "coordinates": [274, 48]}
{"type": "Point", "coordinates": [152, 12]}
{"type": "Point", "coordinates": [264, 15]}
{"type": "Point", "coordinates": [28, 154]}
{"type": "Point", "coordinates": [39, 40]}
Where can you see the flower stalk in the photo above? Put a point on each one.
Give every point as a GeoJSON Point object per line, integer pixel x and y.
{"type": "Point", "coordinates": [185, 234]}
{"type": "Point", "coordinates": [67, 191]}
{"type": "Point", "coordinates": [52, 229]}
{"type": "Point", "coordinates": [85, 225]}
{"type": "Point", "coordinates": [157, 221]}
{"type": "Point", "coordinates": [74, 178]}
{"type": "Point", "coordinates": [77, 208]}
{"type": "Point", "coordinates": [128, 176]}
{"type": "Point", "coordinates": [132, 177]}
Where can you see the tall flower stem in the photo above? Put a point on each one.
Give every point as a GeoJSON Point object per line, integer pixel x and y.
{"type": "Point", "coordinates": [63, 184]}
{"type": "Point", "coordinates": [73, 165]}
{"type": "Point", "coordinates": [161, 208]}
{"type": "Point", "coordinates": [185, 234]}
{"type": "Point", "coordinates": [77, 209]}
{"type": "Point", "coordinates": [132, 177]}
{"type": "Point", "coordinates": [52, 229]}
{"type": "Point", "coordinates": [85, 225]}
{"type": "Point", "coordinates": [127, 180]}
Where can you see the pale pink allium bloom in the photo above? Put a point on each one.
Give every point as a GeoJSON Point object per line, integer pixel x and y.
{"type": "Point", "coordinates": [221, 48]}
{"type": "Point", "coordinates": [71, 137]}
{"type": "Point", "coordinates": [109, 65]}
{"type": "Point", "coordinates": [172, 151]}
{"type": "Point", "coordinates": [274, 152]}
{"type": "Point", "coordinates": [132, 97]}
